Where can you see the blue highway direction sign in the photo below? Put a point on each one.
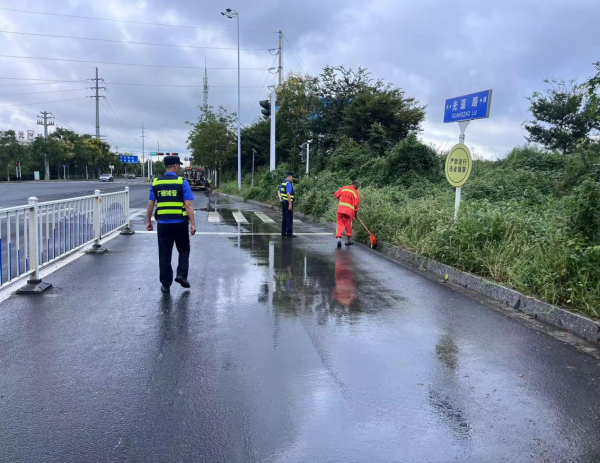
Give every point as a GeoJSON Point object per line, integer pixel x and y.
{"type": "Point", "coordinates": [468, 107]}
{"type": "Point", "coordinates": [129, 159]}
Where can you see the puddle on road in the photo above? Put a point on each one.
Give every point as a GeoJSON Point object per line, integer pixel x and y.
{"type": "Point", "coordinates": [298, 281]}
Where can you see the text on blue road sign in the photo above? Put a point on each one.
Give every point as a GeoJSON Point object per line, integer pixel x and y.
{"type": "Point", "coordinates": [468, 107]}
{"type": "Point", "coordinates": [129, 159]}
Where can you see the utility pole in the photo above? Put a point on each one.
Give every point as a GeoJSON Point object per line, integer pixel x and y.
{"type": "Point", "coordinates": [273, 115]}
{"type": "Point", "coordinates": [143, 136]}
{"type": "Point", "coordinates": [46, 118]}
{"type": "Point", "coordinates": [205, 84]}
{"type": "Point", "coordinates": [253, 153]}
{"type": "Point", "coordinates": [97, 96]}
{"type": "Point", "coordinates": [280, 67]}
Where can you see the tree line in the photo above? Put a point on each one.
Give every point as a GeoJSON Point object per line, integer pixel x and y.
{"type": "Point", "coordinates": [82, 155]}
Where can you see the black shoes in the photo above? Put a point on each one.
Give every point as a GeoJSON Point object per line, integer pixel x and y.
{"type": "Point", "coordinates": [183, 282]}
{"type": "Point", "coordinates": [348, 243]}
{"type": "Point", "coordinates": [292, 236]}
{"type": "Point", "coordinates": [164, 289]}
{"type": "Point", "coordinates": [339, 245]}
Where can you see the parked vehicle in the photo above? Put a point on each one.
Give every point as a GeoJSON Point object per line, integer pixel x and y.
{"type": "Point", "coordinates": [107, 178]}
{"type": "Point", "coordinates": [196, 177]}
{"type": "Point", "coordinates": [131, 176]}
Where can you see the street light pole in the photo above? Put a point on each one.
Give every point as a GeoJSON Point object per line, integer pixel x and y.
{"type": "Point", "coordinates": [253, 153]}
{"type": "Point", "coordinates": [234, 14]}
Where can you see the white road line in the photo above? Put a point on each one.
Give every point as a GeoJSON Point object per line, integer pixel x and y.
{"type": "Point", "coordinates": [213, 216]}
{"type": "Point", "coordinates": [264, 217]}
{"type": "Point", "coordinates": [239, 217]}
{"type": "Point", "coordinates": [143, 232]}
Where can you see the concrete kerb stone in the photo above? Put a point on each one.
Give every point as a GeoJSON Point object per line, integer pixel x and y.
{"type": "Point", "coordinates": [577, 324]}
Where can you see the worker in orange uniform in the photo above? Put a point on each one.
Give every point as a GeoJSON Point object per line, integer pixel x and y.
{"type": "Point", "coordinates": [349, 199]}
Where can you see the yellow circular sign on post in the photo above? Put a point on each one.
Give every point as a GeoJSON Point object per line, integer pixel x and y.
{"type": "Point", "coordinates": [458, 165]}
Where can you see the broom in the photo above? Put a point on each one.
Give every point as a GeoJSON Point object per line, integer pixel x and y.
{"type": "Point", "coordinates": [372, 237]}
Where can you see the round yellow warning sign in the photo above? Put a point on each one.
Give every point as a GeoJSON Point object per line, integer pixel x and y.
{"type": "Point", "coordinates": [458, 165]}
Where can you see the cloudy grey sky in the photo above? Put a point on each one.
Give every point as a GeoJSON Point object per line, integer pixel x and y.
{"type": "Point", "coordinates": [433, 49]}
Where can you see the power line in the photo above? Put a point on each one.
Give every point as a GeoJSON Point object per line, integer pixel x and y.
{"type": "Point", "coordinates": [42, 102]}
{"type": "Point", "coordinates": [262, 86]}
{"type": "Point", "coordinates": [118, 119]}
{"type": "Point", "coordinates": [112, 105]}
{"type": "Point", "coordinates": [52, 82]}
{"type": "Point", "coordinates": [44, 80]}
{"type": "Point", "coordinates": [67, 126]}
{"type": "Point", "coordinates": [135, 84]}
{"type": "Point", "coordinates": [45, 91]}
{"type": "Point", "coordinates": [129, 42]}
{"type": "Point", "coordinates": [131, 22]}
{"type": "Point", "coordinates": [123, 64]}
{"type": "Point", "coordinates": [257, 108]}
{"type": "Point", "coordinates": [115, 124]}
{"type": "Point", "coordinates": [40, 83]}
{"type": "Point", "coordinates": [296, 55]}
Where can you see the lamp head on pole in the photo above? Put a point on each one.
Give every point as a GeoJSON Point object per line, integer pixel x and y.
{"type": "Point", "coordinates": [229, 13]}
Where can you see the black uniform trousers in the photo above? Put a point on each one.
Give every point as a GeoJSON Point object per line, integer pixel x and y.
{"type": "Point", "coordinates": [169, 234]}
{"type": "Point", "coordinates": [287, 219]}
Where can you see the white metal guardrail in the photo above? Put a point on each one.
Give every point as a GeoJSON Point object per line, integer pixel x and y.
{"type": "Point", "coordinates": [38, 234]}
{"type": "Point", "coordinates": [14, 252]}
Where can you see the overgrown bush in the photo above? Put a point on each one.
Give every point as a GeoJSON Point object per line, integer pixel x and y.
{"type": "Point", "coordinates": [519, 223]}
{"type": "Point", "coordinates": [585, 212]}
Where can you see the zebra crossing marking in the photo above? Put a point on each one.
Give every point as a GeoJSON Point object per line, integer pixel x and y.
{"type": "Point", "coordinates": [239, 217]}
{"type": "Point", "coordinates": [264, 217]}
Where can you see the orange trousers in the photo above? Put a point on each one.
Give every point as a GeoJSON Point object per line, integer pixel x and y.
{"type": "Point", "coordinates": [344, 222]}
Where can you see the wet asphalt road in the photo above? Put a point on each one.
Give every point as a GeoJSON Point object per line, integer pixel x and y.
{"type": "Point", "coordinates": [283, 350]}
{"type": "Point", "coordinates": [16, 194]}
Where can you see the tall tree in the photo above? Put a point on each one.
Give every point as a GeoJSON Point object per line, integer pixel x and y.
{"type": "Point", "coordinates": [11, 150]}
{"type": "Point", "coordinates": [562, 115]}
{"type": "Point", "coordinates": [212, 138]}
{"type": "Point", "coordinates": [593, 88]}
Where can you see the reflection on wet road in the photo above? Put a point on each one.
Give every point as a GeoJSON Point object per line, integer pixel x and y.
{"type": "Point", "coordinates": [283, 350]}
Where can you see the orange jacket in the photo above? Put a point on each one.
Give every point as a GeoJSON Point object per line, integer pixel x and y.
{"type": "Point", "coordinates": [349, 199]}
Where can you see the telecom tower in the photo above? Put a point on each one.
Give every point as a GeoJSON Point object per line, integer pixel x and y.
{"type": "Point", "coordinates": [205, 84]}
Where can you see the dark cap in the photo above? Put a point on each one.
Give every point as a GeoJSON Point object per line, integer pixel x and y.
{"type": "Point", "coordinates": [172, 160]}
{"type": "Point", "coordinates": [290, 173]}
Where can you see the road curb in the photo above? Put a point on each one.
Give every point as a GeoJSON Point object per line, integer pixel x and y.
{"type": "Point", "coordinates": [577, 324]}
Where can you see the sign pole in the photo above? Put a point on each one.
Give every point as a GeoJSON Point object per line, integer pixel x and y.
{"type": "Point", "coordinates": [461, 139]}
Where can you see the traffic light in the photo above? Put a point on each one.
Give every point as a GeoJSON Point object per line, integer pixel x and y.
{"type": "Point", "coordinates": [266, 105]}
{"type": "Point", "coordinates": [302, 153]}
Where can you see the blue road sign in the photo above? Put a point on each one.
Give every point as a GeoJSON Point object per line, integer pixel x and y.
{"type": "Point", "coordinates": [468, 107]}
{"type": "Point", "coordinates": [129, 159]}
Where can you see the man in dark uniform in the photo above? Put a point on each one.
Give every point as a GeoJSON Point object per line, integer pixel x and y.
{"type": "Point", "coordinates": [286, 196]}
{"type": "Point", "coordinates": [175, 218]}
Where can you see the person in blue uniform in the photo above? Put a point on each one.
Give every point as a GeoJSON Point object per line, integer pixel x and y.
{"type": "Point", "coordinates": [286, 196]}
{"type": "Point", "coordinates": [175, 218]}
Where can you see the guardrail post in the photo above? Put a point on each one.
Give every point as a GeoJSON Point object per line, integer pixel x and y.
{"type": "Point", "coordinates": [97, 211]}
{"type": "Point", "coordinates": [34, 284]}
{"type": "Point", "coordinates": [127, 230]}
